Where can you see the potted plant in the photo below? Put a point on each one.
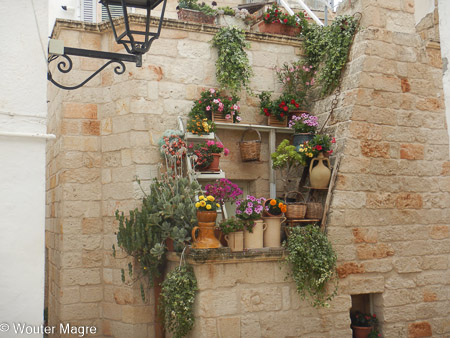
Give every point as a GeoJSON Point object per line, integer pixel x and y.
{"type": "Point", "coordinates": [296, 79]}
{"type": "Point", "coordinates": [313, 264]}
{"type": "Point", "coordinates": [277, 110]}
{"type": "Point", "coordinates": [250, 211]}
{"type": "Point", "coordinates": [215, 149]}
{"type": "Point", "coordinates": [287, 160]}
{"type": "Point", "coordinates": [233, 70]}
{"type": "Point", "coordinates": [304, 126]}
{"type": "Point", "coordinates": [216, 107]}
{"type": "Point", "coordinates": [206, 216]}
{"type": "Point", "coordinates": [190, 10]}
{"type": "Point", "coordinates": [200, 125]}
{"type": "Point", "coordinates": [364, 325]}
{"type": "Point", "coordinates": [275, 21]}
{"type": "Point", "coordinates": [224, 191]}
{"type": "Point", "coordinates": [173, 149]}
{"type": "Point", "coordinates": [320, 143]}
{"type": "Point", "coordinates": [201, 156]}
{"type": "Point", "coordinates": [228, 17]}
{"type": "Point", "coordinates": [273, 217]}
{"type": "Point", "coordinates": [233, 230]}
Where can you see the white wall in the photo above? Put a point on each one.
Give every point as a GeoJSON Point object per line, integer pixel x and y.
{"type": "Point", "coordinates": [422, 8]}
{"type": "Point", "coordinates": [444, 31]}
{"type": "Point", "coordinates": [23, 108]}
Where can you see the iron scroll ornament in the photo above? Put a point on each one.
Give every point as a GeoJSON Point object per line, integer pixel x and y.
{"type": "Point", "coordinates": [65, 66]}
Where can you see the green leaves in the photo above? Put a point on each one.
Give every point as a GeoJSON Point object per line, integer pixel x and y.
{"type": "Point", "coordinates": [327, 49]}
{"type": "Point", "coordinates": [313, 264]}
{"type": "Point", "coordinates": [177, 300]}
{"type": "Point", "coordinates": [233, 70]}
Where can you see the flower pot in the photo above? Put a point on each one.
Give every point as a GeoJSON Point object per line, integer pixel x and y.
{"type": "Point", "coordinates": [301, 138]}
{"type": "Point", "coordinates": [235, 240]}
{"type": "Point", "coordinates": [267, 213]}
{"type": "Point", "coordinates": [195, 16]}
{"type": "Point", "coordinates": [278, 28]}
{"type": "Point", "coordinates": [319, 176]}
{"type": "Point", "coordinates": [205, 239]}
{"type": "Point", "coordinates": [361, 332]}
{"type": "Point", "coordinates": [229, 21]}
{"type": "Point", "coordinates": [274, 122]}
{"type": "Point", "coordinates": [206, 216]}
{"type": "Point", "coordinates": [272, 235]}
{"type": "Point", "coordinates": [214, 166]}
{"type": "Point", "coordinates": [218, 117]}
{"type": "Point", "coordinates": [255, 239]}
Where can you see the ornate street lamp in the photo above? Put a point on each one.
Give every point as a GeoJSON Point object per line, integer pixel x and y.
{"type": "Point", "coordinates": [136, 42]}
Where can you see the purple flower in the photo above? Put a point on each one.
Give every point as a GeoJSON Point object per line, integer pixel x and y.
{"type": "Point", "coordinates": [238, 212]}
{"type": "Point", "coordinates": [248, 211]}
{"type": "Point", "coordinates": [250, 204]}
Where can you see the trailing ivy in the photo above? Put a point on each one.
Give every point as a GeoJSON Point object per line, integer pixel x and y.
{"type": "Point", "coordinates": [177, 300]}
{"type": "Point", "coordinates": [313, 264]}
{"type": "Point", "coordinates": [327, 49]}
{"type": "Point", "coordinates": [233, 70]}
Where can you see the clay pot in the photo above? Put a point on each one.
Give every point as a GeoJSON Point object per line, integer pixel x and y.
{"type": "Point", "coordinates": [255, 239]}
{"type": "Point", "coordinates": [205, 239]}
{"type": "Point", "coordinates": [235, 240]}
{"type": "Point", "coordinates": [214, 166]}
{"type": "Point", "coordinates": [361, 331]}
{"type": "Point", "coordinates": [272, 235]}
{"type": "Point", "coordinates": [319, 176]}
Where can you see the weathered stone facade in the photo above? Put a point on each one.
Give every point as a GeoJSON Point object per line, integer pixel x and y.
{"type": "Point", "coordinates": [389, 218]}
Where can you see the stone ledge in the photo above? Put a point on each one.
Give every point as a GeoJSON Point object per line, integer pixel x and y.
{"type": "Point", "coordinates": [225, 256]}
{"type": "Point", "coordinates": [105, 26]}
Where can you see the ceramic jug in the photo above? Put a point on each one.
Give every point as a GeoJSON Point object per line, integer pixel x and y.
{"type": "Point", "coordinates": [319, 176]}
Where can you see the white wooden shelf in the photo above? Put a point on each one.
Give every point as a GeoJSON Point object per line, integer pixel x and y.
{"type": "Point", "coordinates": [194, 137]}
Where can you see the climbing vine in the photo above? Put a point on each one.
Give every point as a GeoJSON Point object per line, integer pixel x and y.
{"type": "Point", "coordinates": [327, 49]}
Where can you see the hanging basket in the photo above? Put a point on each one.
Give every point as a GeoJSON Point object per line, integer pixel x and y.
{"type": "Point", "coordinates": [250, 150]}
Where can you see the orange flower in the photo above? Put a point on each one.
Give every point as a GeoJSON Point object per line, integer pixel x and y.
{"type": "Point", "coordinates": [284, 208]}
{"type": "Point", "coordinates": [280, 205]}
{"type": "Point", "coordinates": [273, 202]}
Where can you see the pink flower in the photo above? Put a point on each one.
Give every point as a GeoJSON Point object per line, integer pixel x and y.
{"type": "Point", "coordinates": [226, 151]}
{"type": "Point", "coordinates": [307, 83]}
{"type": "Point", "coordinates": [210, 143]}
{"type": "Point", "coordinates": [219, 144]}
{"type": "Point", "coordinates": [212, 90]}
{"type": "Point", "coordinates": [191, 146]}
{"type": "Point", "coordinates": [238, 118]}
{"type": "Point", "coordinates": [208, 108]}
{"type": "Point", "coordinates": [228, 116]}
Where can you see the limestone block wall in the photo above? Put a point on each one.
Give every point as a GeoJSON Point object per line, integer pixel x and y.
{"type": "Point", "coordinates": [249, 296]}
{"type": "Point", "coordinates": [389, 219]}
{"type": "Point", "coordinates": [107, 134]}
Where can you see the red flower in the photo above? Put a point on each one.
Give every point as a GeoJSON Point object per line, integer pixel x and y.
{"type": "Point", "coordinates": [283, 103]}
{"type": "Point", "coordinates": [276, 11]}
{"type": "Point", "coordinates": [281, 115]}
{"type": "Point", "coordinates": [319, 147]}
{"type": "Point", "coordinates": [297, 105]}
{"type": "Point", "coordinates": [292, 101]}
{"type": "Point", "coordinates": [330, 152]}
{"type": "Point", "coordinates": [267, 114]}
{"type": "Point", "coordinates": [266, 110]}
{"type": "Point", "coordinates": [286, 108]}
{"type": "Point", "coordinates": [199, 101]}
{"type": "Point", "coordinates": [268, 16]}
{"type": "Point", "coordinates": [285, 20]}
{"type": "Point", "coordinates": [333, 140]}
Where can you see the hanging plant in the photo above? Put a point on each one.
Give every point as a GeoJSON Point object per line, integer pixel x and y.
{"type": "Point", "coordinates": [313, 264]}
{"type": "Point", "coordinates": [233, 70]}
{"type": "Point", "coordinates": [177, 300]}
{"type": "Point", "coordinates": [327, 49]}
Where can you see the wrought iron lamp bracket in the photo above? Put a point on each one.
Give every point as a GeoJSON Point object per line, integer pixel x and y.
{"type": "Point", "coordinates": [65, 66]}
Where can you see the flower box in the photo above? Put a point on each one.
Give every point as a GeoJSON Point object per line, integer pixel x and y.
{"type": "Point", "coordinates": [274, 122]}
{"type": "Point", "coordinates": [218, 117]}
{"type": "Point", "coordinates": [229, 21]}
{"type": "Point", "coordinates": [195, 16]}
{"type": "Point", "coordinates": [278, 28]}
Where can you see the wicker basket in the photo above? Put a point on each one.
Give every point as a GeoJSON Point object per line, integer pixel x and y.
{"type": "Point", "coordinates": [296, 210]}
{"type": "Point", "coordinates": [314, 210]}
{"type": "Point", "coordinates": [250, 150]}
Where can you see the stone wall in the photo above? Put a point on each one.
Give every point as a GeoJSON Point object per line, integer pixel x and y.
{"type": "Point", "coordinates": [389, 219]}
{"type": "Point", "coordinates": [107, 134]}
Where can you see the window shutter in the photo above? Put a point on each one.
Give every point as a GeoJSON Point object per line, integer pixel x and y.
{"type": "Point", "coordinates": [116, 11]}
{"type": "Point", "coordinates": [88, 10]}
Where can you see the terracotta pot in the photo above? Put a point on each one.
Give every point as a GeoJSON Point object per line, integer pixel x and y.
{"type": "Point", "coordinates": [319, 176]}
{"type": "Point", "coordinates": [214, 166]}
{"type": "Point", "coordinates": [195, 16]}
{"type": "Point", "coordinates": [361, 332]}
{"type": "Point", "coordinates": [169, 244]}
{"type": "Point", "coordinates": [272, 235]}
{"type": "Point", "coordinates": [235, 240]}
{"type": "Point", "coordinates": [267, 213]}
{"type": "Point", "coordinates": [278, 28]}
{"type": "Point", "coordinates": [206, 216]}
{"type": "Point", "coordinates": [255, 239]}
